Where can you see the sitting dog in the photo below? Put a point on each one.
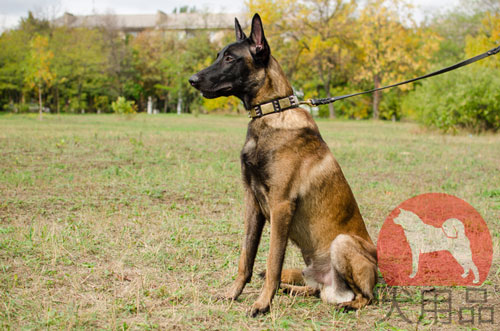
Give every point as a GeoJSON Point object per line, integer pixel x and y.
{"type": "Point", "coordinates": [424, 238]}
{"type": "Point", "coordinates": [292, 180]}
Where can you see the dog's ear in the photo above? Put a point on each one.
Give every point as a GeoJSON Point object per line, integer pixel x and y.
{"type": "Point", "coordinates": [240, 35]}
{"type": "Point", "coordinates": [260, 48]}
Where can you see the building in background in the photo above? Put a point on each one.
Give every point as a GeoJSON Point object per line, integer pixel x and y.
{"type": "Point", "coordinates": [181, 23]}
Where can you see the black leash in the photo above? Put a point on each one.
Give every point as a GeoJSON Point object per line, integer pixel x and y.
{"type": "Point", "coordinates": [317, 102]}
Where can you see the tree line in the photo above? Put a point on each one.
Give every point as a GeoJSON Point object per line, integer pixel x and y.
{"type": "Point", "coordinates": [326, 48]}
{"type": "Point", "coordinates": [81, 69]}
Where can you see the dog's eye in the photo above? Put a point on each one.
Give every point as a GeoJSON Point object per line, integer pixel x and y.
{"type": "Point", "coordinates": [228, 58]}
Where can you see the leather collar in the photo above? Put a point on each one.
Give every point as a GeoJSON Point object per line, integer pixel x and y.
{"type": "Point", "coordinates": [274, 106]}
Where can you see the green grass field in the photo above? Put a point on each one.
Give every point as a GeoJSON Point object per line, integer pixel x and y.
{"type": "Point", "coordinates": [135, 223]}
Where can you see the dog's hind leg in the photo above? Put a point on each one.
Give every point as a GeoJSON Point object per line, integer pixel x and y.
{"type": "Point", "coordinates": [354, 260]}
{"type": "Point", "coordinates": [292, 276]}
{"type": "Point", "coordinates": [299, 290]}
{"type": "Point", "coordinates": [289, 276]}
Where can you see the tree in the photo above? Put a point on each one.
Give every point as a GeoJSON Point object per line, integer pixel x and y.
{"type": "Point", "coordinates": [394, 47]}
{"type": "Point", "coordinates": [457, 24]}
{"type": "Point", "coordinates": [328, 38]}
{"type": "Point", "coordinates": [486, 39]}
{"type": "Point", "coordinates": [151, 50]}
{"type": "Point", "coordinates": [15, 46]}
{"type": "Point", "coordinates": [80, 66]}
{"type": "Point", "coordinates": [38, 72]}
{"type": "Point", "coordinates": [282, 31]}
{"type": "Point", "coordinates": [314, 40]}
{"type": "Point", "coordinates": [165, 61]}
{"type": "Point", "coordinates": [120, 73]}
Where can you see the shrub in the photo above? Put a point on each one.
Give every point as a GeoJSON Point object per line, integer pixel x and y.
{"type": "Point", "coordinates": [467, 98]}
{"type": "Point", "coordinates": [122, 106]}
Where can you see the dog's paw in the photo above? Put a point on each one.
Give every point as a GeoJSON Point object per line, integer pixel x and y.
{"type": "Point", "coordinates": [258, 309]}
{"type": "Point", "coordinates": [232, 293]}
{"type": "Point", "coordinates": [345, 307]}
{"type": "Point", "coordinates": [358, 303]}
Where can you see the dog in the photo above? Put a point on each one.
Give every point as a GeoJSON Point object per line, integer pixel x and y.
{"type": "Point", "coordinates": [292, 180]}
{"type": "Point", "coordinates": [424, 238]}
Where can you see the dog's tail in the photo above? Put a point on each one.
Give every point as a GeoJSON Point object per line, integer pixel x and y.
{"type": "Point", "coordinates": [453, 228]}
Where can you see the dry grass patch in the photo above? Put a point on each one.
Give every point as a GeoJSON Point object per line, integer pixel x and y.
{"type": "Point", "coordinates": [113, 223]}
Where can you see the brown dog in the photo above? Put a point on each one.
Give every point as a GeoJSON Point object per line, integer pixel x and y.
{"type": "Point", "coordinates": [292, 180]}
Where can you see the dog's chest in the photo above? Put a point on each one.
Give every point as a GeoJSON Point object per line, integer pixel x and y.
{"type": "Point", "coordinates": [254, 166]}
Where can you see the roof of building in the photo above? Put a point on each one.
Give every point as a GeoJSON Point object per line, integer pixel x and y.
{"type": "Point", "coordinates": [160, 20]}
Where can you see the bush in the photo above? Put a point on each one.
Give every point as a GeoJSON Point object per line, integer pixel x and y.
{"type": "Point", "coordinates": [468, 98]}
{"type": "Point", "coordinates": [76, 105]}
{"type": "Point", "coordinates": [122, 106]}
{"type": "Point", "coordinates": [230, 104]}
{"type": "Point", "coordinates": [24, 108]}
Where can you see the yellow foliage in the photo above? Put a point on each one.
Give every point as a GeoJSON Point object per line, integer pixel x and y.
{"type": "Point", "coordinates": [485, 40]}
{"type": "Point", "coordinates": [327, 45]}
{"type": "Point", "coordinates": [39, 61]}
{"type": "Point", "coordinates": [392, 51]}
{"type": "Point", "coordinates": [270, 10]}
{"type": "Point", "coordinates": [223, 103]}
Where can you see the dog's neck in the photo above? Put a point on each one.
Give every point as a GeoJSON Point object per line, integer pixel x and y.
{"type": "Point", "coordinates": [275, 86]}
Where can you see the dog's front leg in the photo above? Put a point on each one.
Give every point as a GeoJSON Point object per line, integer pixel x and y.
{"type": "Point", "coordinates": [281, 215]}
{"type": "Point", "coordinates": [254, 222]}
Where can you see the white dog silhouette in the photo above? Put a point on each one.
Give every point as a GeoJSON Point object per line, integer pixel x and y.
{"type": "Point", "coordinates": [424, 238]}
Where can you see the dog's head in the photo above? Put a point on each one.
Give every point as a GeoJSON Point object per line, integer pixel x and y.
{"type": "Point", "coordinates": [405, 218]}
{"type": "Point", "coordinates": [237, 66]}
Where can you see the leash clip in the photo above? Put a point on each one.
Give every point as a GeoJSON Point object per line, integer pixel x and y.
{"type": "Point", "coordinates": [494, 51]}
{"type": "Point", "coordinates": [308, 102]}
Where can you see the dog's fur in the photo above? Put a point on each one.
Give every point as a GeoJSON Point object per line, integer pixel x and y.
{"type": "Point", "coordinates": [424, 238]}
{"type": "Point", "coordinates": [292, 180]}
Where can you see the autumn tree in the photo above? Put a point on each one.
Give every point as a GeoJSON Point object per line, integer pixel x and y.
{"type": "Point", "coordinates": [487, 38]}
{"type": "Point", "coordinates": [394, 47]}
{"type": "Point", "coordinates": [329, 40]}
{"type": "Point", "coordinates": [151, 51]}
{"type": "Point", "coordinates": [453, 27]}
{"type": "Point", "coordinates": [281, 21]}
{"type": "Point", "coordinates": [16, 47]}
{"type": "Point", "coordinates": [313, 39]}
{"type": "Point", "coordinates": [120, 72]}
{"type": "Point", "coordinates": [80, 65]}
{"type": "Point", "coordinates": [38, 72]}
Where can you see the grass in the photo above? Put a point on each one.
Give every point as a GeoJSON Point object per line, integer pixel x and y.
{"type": "Point", "coordinates": [135, 223]}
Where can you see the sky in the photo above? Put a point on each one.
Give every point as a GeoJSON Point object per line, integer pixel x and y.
{"type": "Point", "coordinates": [12, 10]}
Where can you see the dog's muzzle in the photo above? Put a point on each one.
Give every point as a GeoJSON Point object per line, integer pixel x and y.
{"type": "Point", "coordinates": [194, 80]}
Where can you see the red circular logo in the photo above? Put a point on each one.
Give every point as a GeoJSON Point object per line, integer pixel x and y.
{"type": "Point", "coordinates": [434, 239]}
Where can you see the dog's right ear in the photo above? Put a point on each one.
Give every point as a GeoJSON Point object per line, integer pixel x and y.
{"type": "Point", "coordinates": [259, 48]}
{"type": "Point", "coordinates": [240, 35]}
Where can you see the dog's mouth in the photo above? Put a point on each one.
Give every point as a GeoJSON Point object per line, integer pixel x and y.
{"type": "Point", "coordinates": [217, 92]}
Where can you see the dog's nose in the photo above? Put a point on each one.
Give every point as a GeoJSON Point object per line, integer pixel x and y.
{"type": "Point", "coordinates": [194, 80]}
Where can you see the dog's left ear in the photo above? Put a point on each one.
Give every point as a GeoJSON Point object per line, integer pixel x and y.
{"type": "Point", "coordinates": [240, 35]}
{"type": "Point", "coordinates": [260, 48]}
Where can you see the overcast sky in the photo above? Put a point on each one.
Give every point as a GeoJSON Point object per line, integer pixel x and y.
{"type": "Point", "coordinates": [12, 10]}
